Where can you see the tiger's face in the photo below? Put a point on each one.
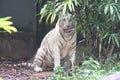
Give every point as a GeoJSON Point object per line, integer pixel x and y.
{"type": "Point", "coordinates": [67, 24]}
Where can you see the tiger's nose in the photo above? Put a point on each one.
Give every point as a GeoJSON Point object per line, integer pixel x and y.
{"type": "Point", "coordinates": [68, 26]}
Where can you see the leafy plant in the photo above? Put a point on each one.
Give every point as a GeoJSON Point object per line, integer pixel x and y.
{"type": "Point", "coordinates": [114, 38]}
{"type": "Point", "coordinates": [112, 62]}
{"type": "Point", "coordinates": [7, 25]}
{"type": "Point", "coordinates": [57, 8]}
{"type": "Point", "coordinates": [91, 64]}
{"type": "Point", "coordinates": [58, 74]}
{"type": "Point", "coordinates": [117, 66]}
{"type": "Point", "coordinates": [90, 70]}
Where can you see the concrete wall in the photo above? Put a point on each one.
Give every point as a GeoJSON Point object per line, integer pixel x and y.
{"type": "Point", "coordinates": [23, 43]}
{"type": "Point", "coordinates": [22, 11]}
{"type": "Point", "coordinates": [17, 45]}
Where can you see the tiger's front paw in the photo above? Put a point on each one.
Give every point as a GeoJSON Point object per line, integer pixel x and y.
{"type": "Point", "coordinates": [38, 69]}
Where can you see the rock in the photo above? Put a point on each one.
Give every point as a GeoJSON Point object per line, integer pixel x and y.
{"type": "Point", "coordinates": [113, 76]}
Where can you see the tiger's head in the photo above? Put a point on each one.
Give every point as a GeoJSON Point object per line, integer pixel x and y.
{"type": "Point", "coordinates": [67, 24]}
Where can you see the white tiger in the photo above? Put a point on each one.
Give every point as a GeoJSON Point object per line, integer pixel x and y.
{"type": "Point", "coordinates": [57, 44]}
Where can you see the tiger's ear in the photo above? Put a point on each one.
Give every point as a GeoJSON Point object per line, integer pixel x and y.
{"type": "Point", "coordinates": [75, 22]}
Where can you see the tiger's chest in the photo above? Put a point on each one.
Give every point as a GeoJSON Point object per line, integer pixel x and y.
{"type": "Point", "coordinates": [66, 49]}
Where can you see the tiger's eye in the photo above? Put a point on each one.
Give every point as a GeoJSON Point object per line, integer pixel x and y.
{"type": "Point", "coordinates": [64, 20]}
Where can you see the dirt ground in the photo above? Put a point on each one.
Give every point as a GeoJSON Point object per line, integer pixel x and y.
{"type": "Point", "coordinates": [13, 72]}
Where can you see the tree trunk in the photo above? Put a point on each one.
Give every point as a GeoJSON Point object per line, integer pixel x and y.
{"type": "Point", "coordinates": [110, 51]}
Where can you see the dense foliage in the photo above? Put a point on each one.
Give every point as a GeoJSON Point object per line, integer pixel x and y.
{"type": "Point", "coordinates": [98, 21]}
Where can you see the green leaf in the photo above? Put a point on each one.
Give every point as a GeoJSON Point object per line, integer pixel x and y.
{"type": "Point", "coordinates": [96, 62]}
{"type": "Point", "coordinates": [73, 7]}
{"type": "Point", "coordinates": [70, 5]}
{"type": "Point", "coordinates": [117, 42]}
{"type": "Point", "coordinates": [53, 18]}
{"type": "Point", "coordinates": [48, 17]}
{"type": "Point", "coordinates": [111, 10]}
{"type": "Point", "coordinates": [116, 1]}
{"type": "Point", "coordinates": [5, 23]}
{"type": "Point", "coordinates": [109, 40]}
{"type": "Point", "coordinates": [119, 17]}
{"type": "Point", "coordinates": [86, 62]}
{"type": "Point", "coordinates": [76, 2]}
{"type": "Point", "coordinates": [105, 35]}
{"type": "Point", "coordinates": [10, 29]}
{"type": "Point", "coordinates": [59, 7]}
{"type": "Point", "coordinates": [64, 8]}
{"type": "Point", "coordinates": [106, 9]}
{"type": "Point", "coordinates": [116, 39]}
{"type": "Point", "coordinates": [43, 9]}
{"type": "Point", "coordinates": [5, 18]}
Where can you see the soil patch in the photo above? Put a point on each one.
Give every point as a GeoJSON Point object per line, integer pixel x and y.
{"type": "Point", "coordinates": [13, 72]}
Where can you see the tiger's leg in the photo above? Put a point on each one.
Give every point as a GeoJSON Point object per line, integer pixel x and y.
{"type": "Point", "coordinates": [56, 57]}
{"type": "Point", "coordinates": [72, 59]}
{"type": "Point", "coordinates": [38, 60]}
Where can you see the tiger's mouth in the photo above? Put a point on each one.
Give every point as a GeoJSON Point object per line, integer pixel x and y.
{"type": "Point", "coordinates": [67, 30]}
